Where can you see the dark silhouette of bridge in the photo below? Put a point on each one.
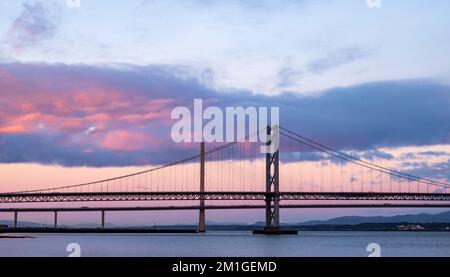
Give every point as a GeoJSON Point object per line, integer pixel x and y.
{"type": "Point", "coordinates": [301, 173]}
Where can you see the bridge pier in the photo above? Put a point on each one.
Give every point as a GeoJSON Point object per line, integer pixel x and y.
{"type": "Point", "coordinates": [103, 219]}
{"type": "Point", "coordinates": [16, 215]}
{"type": "Point", "coordinates": [55, 219]}
{"type": "Point", "coordinates": [202, 216]}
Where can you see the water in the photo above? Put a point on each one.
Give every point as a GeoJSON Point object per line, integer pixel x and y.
{"type": "Point", "coordinates": [223, 244]}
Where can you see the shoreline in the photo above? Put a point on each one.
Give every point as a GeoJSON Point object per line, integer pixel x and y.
{"type": "Point", "coordinates": [97, 231]}
{"type": "Point", "coordinates": [15, 237]}
{"type": "Point", "coordinates": [3, 232]}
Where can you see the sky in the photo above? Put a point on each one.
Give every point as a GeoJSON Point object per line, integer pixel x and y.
{"type": "Point", "coordinates": [86, 92]}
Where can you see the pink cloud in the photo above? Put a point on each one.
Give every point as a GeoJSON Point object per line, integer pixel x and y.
{"type": "Point", "coordinates": [125, 141]}
{"type": "Point", "coordinates": [12, 129]}
{"type": "Point", "coordinates": [5, 77]}
{"type": "Point", "coordinates": [39, 105]}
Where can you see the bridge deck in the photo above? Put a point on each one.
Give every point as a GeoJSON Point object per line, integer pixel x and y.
{"type": "Point", "coordinates": [176, 196]}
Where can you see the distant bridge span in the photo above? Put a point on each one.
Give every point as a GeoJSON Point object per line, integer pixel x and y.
{"type": "Point", "coordinates": [103, 210]}
{"type": "Point", "coordinates": [220, 207]}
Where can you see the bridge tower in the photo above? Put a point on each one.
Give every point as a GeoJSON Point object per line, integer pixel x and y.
{"type": "Point", "coordinates": [272, 197]}
{"type": "Point", "coordinates": [272, 188]}
{"type": "Point", "coordinates": [201, 219]}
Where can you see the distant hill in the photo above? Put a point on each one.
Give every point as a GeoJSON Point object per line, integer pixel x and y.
{"type": "Point", "coordinates": [10, 223]}
{"type": "Point", "coordinates": [21, 223]}
{"type": "Point", "coordinates": [443, 217]}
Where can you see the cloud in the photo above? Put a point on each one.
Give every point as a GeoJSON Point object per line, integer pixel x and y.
{"type": "Point", "coordinates": [127, 141]}
{"type": "Point", "coordinates": [3, 58]}
{"type": "Point", "coordinates": [374, 154]}
{"type": "Point", "coordinates": [288, 77]}
{"type": "Point", "coordinates": [440, 171]}
{"type": "Point", "coordinates": [408, 156]}
{"type": "Point", "coordinates": [34, 24]}
{"type": "Point", "coordinates": [338, 57]}
{"type": "Point", "coordinates": [90, 130]}
{"type": "Point", "coordinates": [120, 115]}
{"type": "Point", "coordinates": [434, 153]}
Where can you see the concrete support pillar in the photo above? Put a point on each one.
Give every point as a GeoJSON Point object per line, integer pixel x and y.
{"type": "Point", "coordinates": [55, 219]}
{"type": "Point", "coordinates": [16, 215]}
{"type": "Point", "coordinates": [202, 216]}
{"type": "Point", "coordinates": [103, 219]}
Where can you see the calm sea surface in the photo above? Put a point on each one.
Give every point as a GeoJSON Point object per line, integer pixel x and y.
{"type": "Point", "coordinates": [231, 244]}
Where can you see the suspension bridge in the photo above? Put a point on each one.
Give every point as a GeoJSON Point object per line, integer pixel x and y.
{"type": "Point", "coordinates": [301, 174]}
